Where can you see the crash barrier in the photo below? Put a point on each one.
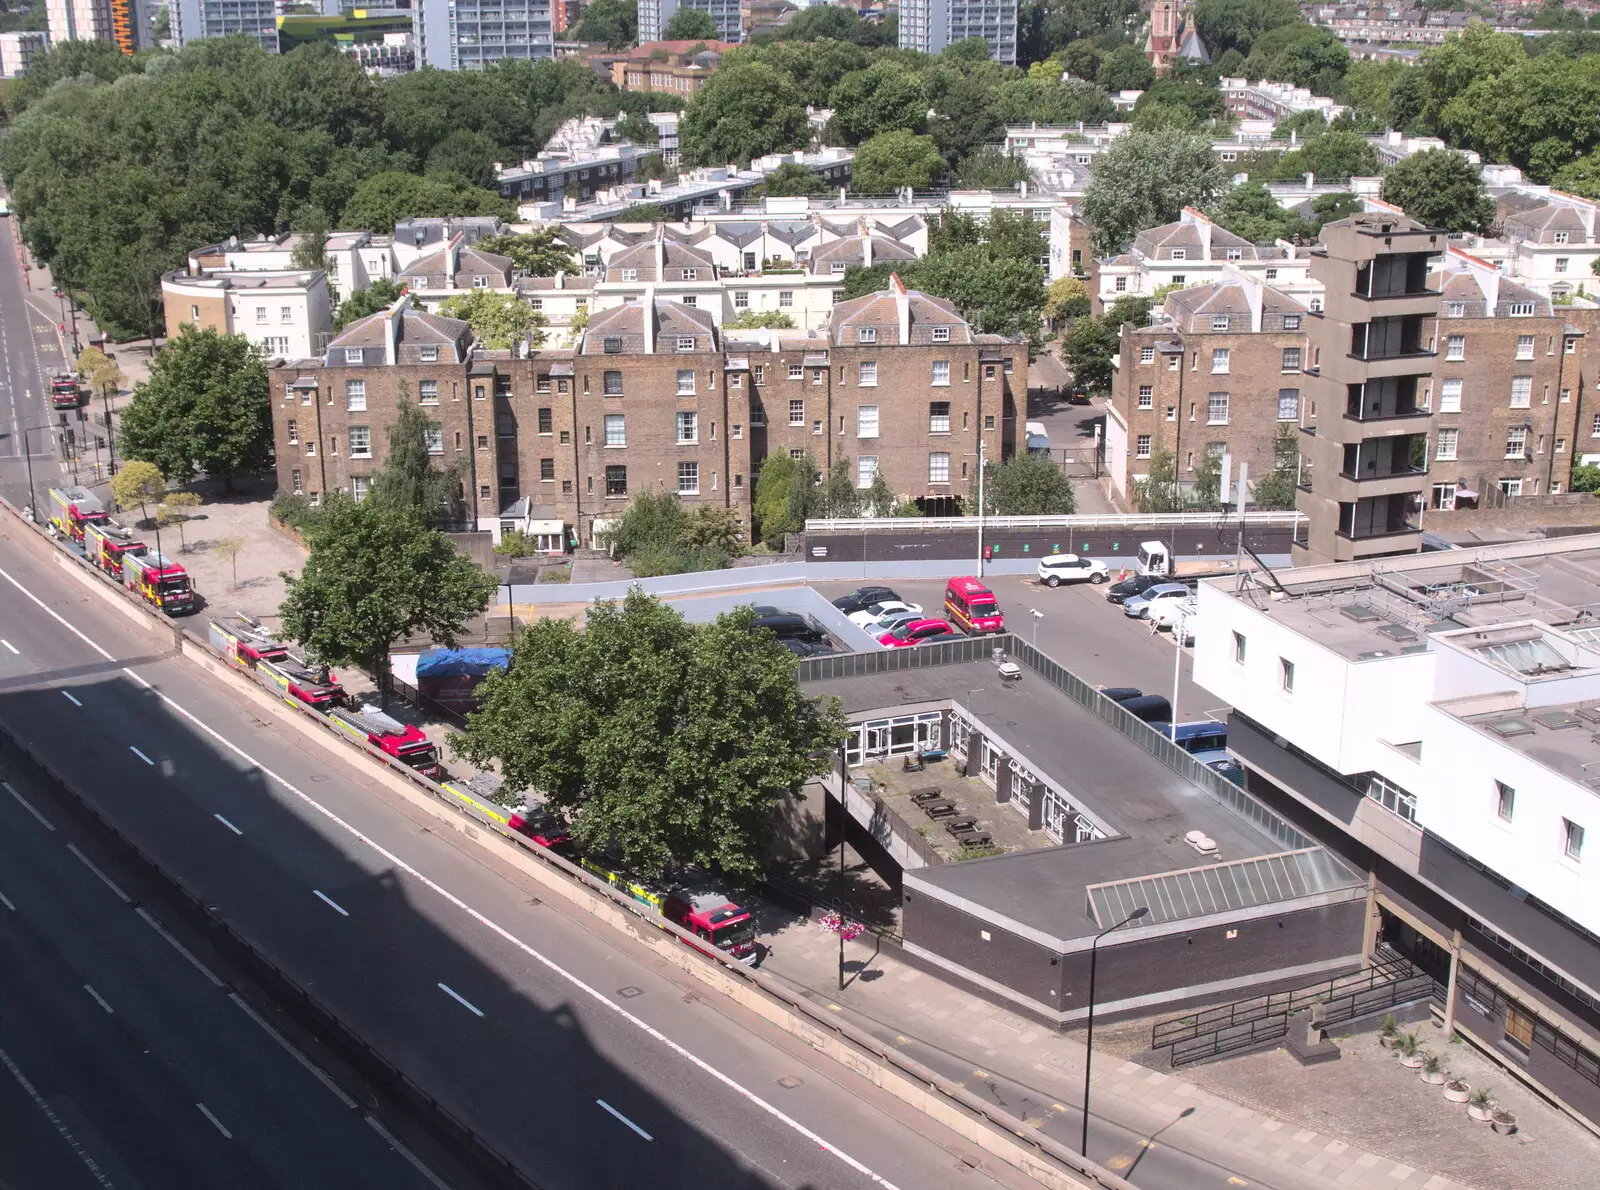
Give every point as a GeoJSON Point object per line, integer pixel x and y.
{"type": "Point", "coordinates": [982, 1124]}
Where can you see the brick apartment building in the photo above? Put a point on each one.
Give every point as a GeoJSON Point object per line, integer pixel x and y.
{"type": "Point", "coordinates": [656, 395]}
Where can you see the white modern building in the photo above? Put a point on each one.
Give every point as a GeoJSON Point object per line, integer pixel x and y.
{"type": "Point", "coordinates": [196, 20]}
{"type": "Point", "coordinates": [18, 50]}
{"type": "Point", "coordinates": [1435, 719]}
{"type": "Point", "coordinates": [928, 26]}
{"type": "Point", "coordinates": [656, 15]}
{"type": "Point", "coordinates": [287, 314]}
{"type": "Point", "coordinates": [472, 34]}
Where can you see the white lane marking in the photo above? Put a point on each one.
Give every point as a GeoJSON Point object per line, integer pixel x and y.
{"type": "Point", "coordinates": [460, 999]}
{"type": "Point", "coordinates": [68, 696]}
{"type": "Point", "coordinates": [227, 824]}
{"type": "Point", "coordinates": [592, 992]}
{"type": "Point", "coordinates": [294, 1052]}
{"type": "Point", "coordinates": [624, 1119]}
{"type": "Point", "coordinates": [206, 1112]}
{"type": "Point", "coordinates": [106, 880]}
{"type": "Point", "coordinates": [6, 901]}
{"type": "Point", "coordinates": [98, 998]}
{"type": "Point", "coordinates": [28, 806]}
{"type": "Point", "coordinates": [416, 1162]}
{"type": "Point", "coordinates": [55, 1120]}
{"type": "Point", "coordinates": [12, 647]}
{"type": "Point", "coordinates": [140, 755]}
{"type": "Point", "coordinates": [178, 946]}
{"type": "Point", "coordinates": [340, 909]}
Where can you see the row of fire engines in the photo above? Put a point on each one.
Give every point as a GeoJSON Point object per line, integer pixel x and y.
{"type": "Point", "coordinates": [77, 515]}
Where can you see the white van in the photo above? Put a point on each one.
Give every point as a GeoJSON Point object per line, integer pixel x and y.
{"type": "Point", "coordinates": [1036, 441]}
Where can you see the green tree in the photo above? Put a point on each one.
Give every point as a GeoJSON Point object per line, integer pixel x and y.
{"type": "Point", "coordinates": [500, 320]}
{"type": "Point", "coordinates": [1092, 342]}
{"type": "Point", "coordinates": [1235, 24]}
{"type": "Point", "coordinates": [879, 500]}
{"type": "Point", "coordinates": [1081, 59]}
{"type": "Point", "coordinates": [745, 110]}
{"type": "Point", "coordinates": [382, 199]}
{"type": "Point", "coordinates": [1145, 179]}
{"type": "Point", "coordinates": [1125, 69]}
{"type": "Point", "coordinates": [894, 160]}
{"type": "Point", "coordinates": [173, 510]}
{"type": "Point", "coordinates": [376, 573]}
{"type": "Point", "coordinates": [888, 96]}
{"type": "Point", "coordinates": [639, 130]}
{"type": "Point", "coordinates": [1157, 492]}
{"type": "Point", "coordinates": [539, 253]}
{"type": "Point", "coordinates": [839, 497]}
{"type": "Point", "coordinates": [791, 180]}
{"type": "Point", "coordinates": [1585, 478]}
{"type": "Point", "coordinates": [1068, 297]}
{"type": "Point", "coordinates": [992, 168]}
{"type": "Point", "coordinates": [1331, 156]}
{"type": "Point", "coordinates": [690, 24]}
{"type": "Point", "coordinates": [776, 477]}
{"type": "Point", "coordinates": [1275, 491]}
{"type": "Point", "coordinates": [615, 22]}
{"type": "Point", "coordinates": [664, 743]}
{"type": "Point", "coordinates": [1581, 177]}
{"type": "Point", "coordinates": [380, 295]}
{"type": "Point", "coordinates": [138, 484]}
{"type": "Point", "coordinates": [754, 319]}
{"type": "Point", "coordinates": [1440, 188]}
{"type": "Point", "coordinates": [409, 480]}
{"type": "Point", "coordinates": [1302, 54]}
{"type": "Point", "coordinates": [830, 22]}
{"type": "Point", "coordinates": [713, 529]}
{"type": "Point", "coordinates": [204, 409]}
{"type": "Point", "coordinates": [1026, 485]}
{"type": "Point", "coordinates": [643, 212]}
{"type": "Point", "coordinates": [467, 155]}
{"type": "Point", "coordinates": [1206, 493]}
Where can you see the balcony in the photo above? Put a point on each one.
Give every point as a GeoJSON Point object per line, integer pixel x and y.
{"type": "Point", "coordinates": [1406, 539]}
{"type": "Point", "coordinates": [1351, 487]}
{"type": "Point", "coordinates": [1396, 364]}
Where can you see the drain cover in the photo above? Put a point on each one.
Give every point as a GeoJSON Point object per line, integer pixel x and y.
{"type": "Point", "coordinates": [789, 1081]}
{"type": "Point", "coordinates": [629, 992]}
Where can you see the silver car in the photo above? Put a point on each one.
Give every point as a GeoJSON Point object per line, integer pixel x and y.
{"type": "Point", "coordinates": [1139, 605]}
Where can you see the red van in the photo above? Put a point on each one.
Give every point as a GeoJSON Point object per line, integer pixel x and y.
{"type": "Point", "coordinates": [972, 607]}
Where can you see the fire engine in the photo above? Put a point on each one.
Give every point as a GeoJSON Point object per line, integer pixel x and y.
{"type": "Point", "coordinates": [106, 543]}
{"type": "Point", "coordinates": [71, 508]}
{"type": "Point", "coordinates": [534, 822]}
{"type": "Point", "coordinates": [404, 742]}
{"type": "Point", "coordinates": [242, 641]}
{"type": "Point", "coordinates": [160, 582]}
{"type": "Point", "coordinates": [691, 902]}
{"type": "Point", "coordinates": [298, 682]}
{"type": "Point", "coordinates": [65, 392]}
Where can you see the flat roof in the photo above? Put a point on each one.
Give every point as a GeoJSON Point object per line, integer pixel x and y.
{"type": "Point", "coordinates": [1565, 737]}
{"type": "Point", "coordinates": [1106, 774]}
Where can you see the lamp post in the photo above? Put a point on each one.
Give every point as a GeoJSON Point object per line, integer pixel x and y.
{"type": "Point", "coordinates": [1088, 1047]}
{"type": "Point", "coordinates": [980, 505]}
{"type": "Point", "coordinates": [1180, 629]}
{"type": "Point", "coordinates": [1037, 616]}
{"type": "Point", "coordinates": [844, 818]}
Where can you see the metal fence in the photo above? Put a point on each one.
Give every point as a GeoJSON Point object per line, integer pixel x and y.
{"type": "Point", "coordinates": [1279, 520]}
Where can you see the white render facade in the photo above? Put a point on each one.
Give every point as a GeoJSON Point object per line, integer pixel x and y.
{"type": "Point", "coordinates": [928, 26]}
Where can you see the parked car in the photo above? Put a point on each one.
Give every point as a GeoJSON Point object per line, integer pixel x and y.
{"type": "Point", "coordinates": [1121, 693]}
{"type": "Point", "coordinates": [786, 625]}
{"type": "Point", "coordinates": [1230, 769]}
{"type": "Point", "coordinates": [916, 632]}
{"type": "Point", "coordinates": [861, 597]}
{"type": "Point", "coordinates": [1141, 604]}
{"type": "Point", "coordinates": [875, 612]}
{"type": "Point", "coordinates": [1069, 568]}
{"type": "Point", "coordinates": [806, 648]}
{"type": "Point", "coordinates": [890, 622]}
{"type": "Point", "coordinates": [1129, 587]}
{"type": "Point", "coordinates": [1151, 708]}
{"type": "Point", "coordinates": [1167, 612]}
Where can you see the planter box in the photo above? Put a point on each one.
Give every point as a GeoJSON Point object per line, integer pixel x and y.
{"type": "Point", "coordinates": [1455, 1096]}
{"type": "Point", "coordinates": [1480, 1114]}
{"type": "Point", "coordinates": [1505, 1127]}
{"type": "Point", "coordinates": [1435, 1078]}
{"type": "Point", "coordinates": [1411, 1061]}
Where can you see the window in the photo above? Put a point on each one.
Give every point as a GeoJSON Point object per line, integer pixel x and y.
{"type": "Point", "coordinates": [796, 372]}
{"type": "Point", "coordinates": [1594, 427]}
{"type": "Point", "coordinates": [1450, 396]}
{"type": "Point", "coordinates": [427, 392]}
{"type": "Point", "coordinates": [1570, 346]}
{"type": "Point", "coordinates": [1122, 285]}
{"type": "Point", "coordinates": [194, 313]}
{"type": "Point", "coordinates": [1573, 848]}
{"type": "Point", "coordinates": [297, 481]}
{"type": "Point", "coordinates": [938, 417]}
{"type": "Point", "coordinates": [360, 438]}
{"type": "Point", "coordinates": [797, 413]}
{"type": "Point", "coordinates": [1179, 280]}
{"type": "Point", "coordinates": [613, 384]}
{"type": "Point", "coordinates": [616, 481]}
{"type": "Point", "coordinates": [429, 355]}
{"type": "Point", "coordinates": [355, 396]}
{"type": "Point", "coordinates": [741, 299]}
{"type": "Point", "coordinates": [547, 471]}
{"type": "Point", "coordinates": [1511, 487]}
{"type": "Point", "coordinates": [867, 374]}
{"type": "Point", "coordinates": [352, 355]}
{"type": "Point", "coordinates": [1147, 355]}
{"type": "Point", "coordinates": [1505, 801]}
{"type": "Point", "coordinates": [1521, 392]}
{"type": "Point", "coordinates": [1238, 648]}
{"type": "Point", "coordinates": [1288, 404]}
{"type": "Point", "coordinates": [1219, 322]}
{"type": "Point", "coordinates": [758, 414]}
{"type": "Point", "coordinates": [688, 427]}
{"type": "Point", "coordinates": [1286, 675]}
{"type": "Point", "coordinates": [1291, 322]}
{"type": "Point", "coordinates": [988, 421]}
{"type": "Point", "coordinates": [1147, 396]}
{"type": "Point", "coordinates": [939, 467]}
{"type": "Point", "coordinates": [1522, 309]}
{"type": "Point", "coordinates": [866, 470]}
{"type": "Point", "coordinates": [1172, 413]}
{"type": "Point", "coordinates": [1524, 346]}
{"type": "Point", "coordinates": [816, 376]}
{"type": "Point", "coordinates": [1561, 446]}
{"type": "Point", "coordinates": [1561, 263]}
{"type": "Point", "coordinates": [1447, 445]}
{"type": "Point", "coordinates": [261, 314]}
{"type": "Point", "coordinates": [688, 478]}
{"type": "Point", "coordinates": [836, 266]}
{"type": "Point", "coordinates": [1141, 446]}
{"type": "Point", "coordinates": [483, 491]}
{"type": "Point", "coordinates": [1560, 237]}
{"type": "Point", "coordinates": [294, 432]}
{"type": "Point", "coordinates": [941, 373]}
{"type": "Point", "coordinates": [866, 421]}
{"type": "Point", "coordinates": [1291, 359]}
{"type": "Point", "coordinates": [941, 334]}
{"type": "Point", "coordinates": [433, 435]}
{"type": "Point", "coordinates": [546, 422]}
{"type": "Point", "coordinates": [1219, 360]}
{"type": "Point", "coordinates": [988, 371]}
{"type": "Point", "coordinates": [616, 430]}
{"type": "Point", "coordinates": [360, 486]}
{"type": "Point", "coordinates": [612, 344]}
{"type": "Point", "coordinates": [1217, 409]}
{"type": "Point", "coordinates": [1455, 347]}
{"type": "Point", "coordinates": [1391, 797]}
{"type": "Point", "coordinates": [1180, 254]}
{"type": "Point", "coordinates": [1516, 442]}
{"type": "Point", "coordinates": [785, 299]}
{"type": "Point", "coordinates": [686, 382]}
{"type": "Point", "coordinates": [691, 274]}
{"type": "Point", "coordinates": [686, 343]}
{"type": "Point", "coordinates": [867, 334]}
{"type": "Point", "coordinates": [311, 447]}
{"type": "Point", "coordinates": [276, 346]}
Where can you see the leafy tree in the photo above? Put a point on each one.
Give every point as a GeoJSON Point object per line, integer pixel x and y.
{"type": "Point", "coordinates": [1275, 491]}
{"type": "Point", "coordinates": [1092, 342]}
{"type": "Point", "coordinates": [745, 110]}
{"type": "Point", "coordinates": [888, 96]}
{"type": "Point", "coordinates": [1108, 22]}
{"type": "Point", "coordinates": [1235, 24]}
{"type": "Point", "coordinates": [382, 199]}
{"type": "Point", "coordinates": [643, 212]}
{"type": "Point", "coordinates": [1158, 492]}
{"type": "Point", "coordinates": [713, 529]}
{"type": "Point", "coordinates": [754, 319]}
{"type": "Point", "coordinates": [500, 320]}
{"type": "Point", "coordinates": [1300, 126]}
{"type": "Point", "coordinates": [774, 481]}
{"type": "Point", "coordinates": [204, 409]}
{"type": "Point", "coordinates": [839, 497]}
{"type": "Point", "coordinates": [1369, 88]}
{"type": "Point", "coordinates": [540, 253]}
{"type": "Point", "coordinates": [1330, 156]}
{"type": "Point", "coordinates": [1175, 102]}
{"type": "Point", "coordinates": [230, 547]}
{"type": "Point", "coordinates": [1026, 485]}
{"type": "Point", "coordinates": [1585, 478]}
{"type": "Point", "coordinates": [468, 155]}
{"type": "Point", "coordinates": [1440, 188]}
{"type": "Point", "coordinates": [879, 500]}
{"type": "Point", "coordinates": [1081, 59]}
{"type": "Point", "coordinates": [665, 743]}
{"type": "Point", "coordinates": [172, 511]}
{"type": "Point", "coordinates": [377, 573]}
{"type": "Point", "coordinates": [658, 535]}
{"type": "Point", "coordinates": [102, 372]}
{"type": "Point", "coordinates": [690, 24]}
{"type": "Point", "coordinates": [1446, 71]}
{"type": "Point", "coordinates": [1144, 179]}
{"type": "Point", "coordinates": [1302, 54]}
{"type": "Point", "coordinates": [138, 484]}
{"type": "Point", "coordinates": [827, 21]}
{"type": "Point", "coordinates": [1068, 297]}
{"type": "Point", "coordinates": [790, 180]}
{"type": "Point", "coordinates": [1581, 177]}
{"type": "Point", "coordinates": [615, 22]}
{"type": "Point", "coordinates": [894, 160]}
{"type": "Point", "coordinates": [1206, 493]}
{"type": "Point", "coordinates": [1021, 100]}
{"type": "Point", "coordinates": [637, 128]}
{"type": "Point", "coordinates": [991, 168]}
{"type": "Point", "coordinates": [380, 295]}
{"type": "Point", "coordinates": [1125, 69]}
{"type": "Point", "coordinates": [409, 480]}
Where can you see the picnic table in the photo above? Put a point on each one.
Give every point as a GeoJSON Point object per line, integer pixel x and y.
{"type": "Point", "coordinates": [928, 793]}
{"type": "Point", "coordinates": [940, 809]}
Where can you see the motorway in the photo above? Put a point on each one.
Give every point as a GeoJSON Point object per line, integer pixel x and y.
{"type": "Point", "coordinates": [584, 1058]}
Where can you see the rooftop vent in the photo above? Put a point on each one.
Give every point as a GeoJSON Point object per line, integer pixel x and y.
{"type": "Point", "coordinates": [1506, 728]}
{"type": "Point", "coordinates": [1589, 714]}
{"type": "Point", "coordinates": [1201, 842]}
{"type": "Point", "coordinates": [1396, 632]}
{"type": "Point", "coordinates": [1359, 612]}
{"type": "Point", "coordinates": [1557, 720]}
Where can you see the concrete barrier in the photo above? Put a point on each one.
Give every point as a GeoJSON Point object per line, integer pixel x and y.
{"type": "Point", "coordinates": [984, 1125]}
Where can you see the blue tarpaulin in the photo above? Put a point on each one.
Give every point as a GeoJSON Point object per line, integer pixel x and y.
{"type": "Point", "coordinates": [461, 663]}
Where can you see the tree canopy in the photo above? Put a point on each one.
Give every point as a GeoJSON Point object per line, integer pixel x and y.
{"type": "Point", "coordinates": [615, 22]}
{"type": "Point", "coordinates": [1092, 342]}
{"type": "Point", "coordinates": [380, 295]}
{"type": "Point", "coordinates": [744, 110]}
{"type": "Point", "coordinates": [1235, 24]}
{"type": "Point", "coordinates": [690, 24]}
{"type": "Point", "coordinates": [409, 480]}
{"type": "Point", "coordinates": [1026, 485]}
{"type": "Point", "coordinates": [1440, 188]}
{"type": "Point", "coordinates": [1145, 179]}
{"type": "Point", "coordinates": [539, 253]}
{"type": "Point", "coordinates": [1125, 69]}
{"type": "Point", "coordinates": [893, 161]}
{"type": "Point", "coordinates": [500, 320]}
{"type": "Point", "coordinates": [664, 743]}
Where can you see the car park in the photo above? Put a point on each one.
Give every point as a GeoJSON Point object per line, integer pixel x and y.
{"type": "Point", "coordinates": [786, 625]}
{"type": "Point", "coordinates": [916, 632]}
{"type": "Point", "coordinates": [874, 612]}
{"type": "Point", "coordinates": [1168, 613]}
{"type": "Point", "coordinates": [1069, 568]}
{"type": "Point", "coordinates": [1129, 587]}
{"type": "Point", "coordinates": [890, 622]}
{"type": "Point", "coordinates": [1140, 605]}
{"type": "Point", "coordinates": [972, 607]}
{"type": "Point", "coordinates": [861, 597]}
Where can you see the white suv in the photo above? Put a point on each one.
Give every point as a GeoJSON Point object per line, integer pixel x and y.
{"type": "Point", "coordinates": [1069, 568]}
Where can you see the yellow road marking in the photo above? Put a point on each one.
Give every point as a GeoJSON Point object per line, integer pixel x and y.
{"type": "Point", "coordinates": [1237, 1182]}
{"type": "Point", "coordinates": [1119, 1162]}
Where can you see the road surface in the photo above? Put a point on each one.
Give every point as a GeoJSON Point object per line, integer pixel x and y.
{"type": "Point", "coordinates": [584, 1059]}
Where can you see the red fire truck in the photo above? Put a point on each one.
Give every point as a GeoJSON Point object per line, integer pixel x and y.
{"type": "Point", "coordinates": [242, 641]}
{"type": "Point", "coordinates": [71, 508]}
{"type": "Point", "coordinates": [106, 543]}
{"type": "Point", "coordinates": [532, 822]}
{"type": "Point", "coordinates": [403, 741]}
{"type": "Point", "coordinates": [691, 902]}
{"type": "Point", "coordinates": [160, 582]}
{"type": "Point", "coordinates": [300, 683]}
{"type": "Point", "coordinates": [65, 391]}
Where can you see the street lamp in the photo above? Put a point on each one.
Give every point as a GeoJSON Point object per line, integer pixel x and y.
{"type": "Point", "coordinates": [844, 818]}
{"type": "Point", "coordinates": [1180, 631]}
{"type": "Point", "coordinates": [1088, 1046]}
{"type": "Point", "coordinates": [27, 457]}
{"type": "Point", "coordinates": [1037, 616]}
{"type": "Point", "coordinates": [980, 504]}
